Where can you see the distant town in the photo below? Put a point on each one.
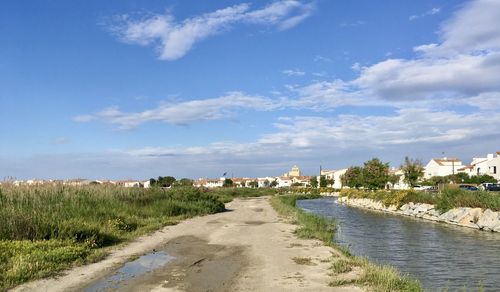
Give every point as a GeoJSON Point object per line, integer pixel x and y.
{"type": "Point", "coordinates": [437, 167]}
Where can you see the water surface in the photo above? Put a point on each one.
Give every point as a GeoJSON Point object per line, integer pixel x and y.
{"type": "Point", "coordinates": [439, 255]}
{"type": "Point", "coordinates": [136, 268]}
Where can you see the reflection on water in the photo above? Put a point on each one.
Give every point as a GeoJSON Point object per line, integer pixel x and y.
{"type": "Point", "coordinates": [140, 266]}
{"type": "Point", "coordinates": [439, 255]}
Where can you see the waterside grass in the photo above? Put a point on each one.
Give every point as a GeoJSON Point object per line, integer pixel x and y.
{"type": "Point", "coordinates": [45, 229]}
{"type": "Point", "coordinates": [374, 277]}
{"type": "Point", "coordinates": [444, 200]}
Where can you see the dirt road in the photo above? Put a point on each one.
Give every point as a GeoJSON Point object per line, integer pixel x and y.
{"type": "Point", "coordinates": [248, 248]}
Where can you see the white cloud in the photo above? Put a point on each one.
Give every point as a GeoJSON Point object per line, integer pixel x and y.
{"type": "Point", "coordinates": [174, 39]}
{"type": "Point", "coordinates": [432, 78]}
{"type": "Point", "coordinates": [293, 72]}
{"type": "Point", "coordinates": [184, 112]}
{"type": "Point", "coordinates": [432, 11]}
{"type": "Point", "coordinates": [471, 29]}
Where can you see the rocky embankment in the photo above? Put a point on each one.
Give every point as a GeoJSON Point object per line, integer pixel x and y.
{"type": "Point", "coordinates": [477, 218]}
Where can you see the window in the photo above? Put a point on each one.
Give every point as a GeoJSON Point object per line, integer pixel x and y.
{"type": "Point", "coordinates": [494, 170]}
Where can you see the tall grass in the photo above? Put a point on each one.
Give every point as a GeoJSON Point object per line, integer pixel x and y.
{"type": "Point", "coordinates": [45, 229]}
{"type": "Point", "coordinates": [445, 200]}
{"type": "Point", "coordinates": [377, 278]}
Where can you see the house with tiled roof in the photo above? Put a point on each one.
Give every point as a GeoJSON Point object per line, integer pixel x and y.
{"type": "Point", "coordinates": [442, 167]}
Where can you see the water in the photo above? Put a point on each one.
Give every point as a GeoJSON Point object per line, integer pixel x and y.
{"type": "Point", "coordinates": [439, 255]}
{"type": "Point", "coordinates": [140, 266]}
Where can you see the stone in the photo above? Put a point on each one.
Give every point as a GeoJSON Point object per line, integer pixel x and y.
{"type": "Point", "coordinates": [489, 220]}
{"type": "Point", "coordinates": [454, 215]}
{"type": "Point", "coordinates": [404, 207]}
{"type": "Point", "coordinates": [433, 213]}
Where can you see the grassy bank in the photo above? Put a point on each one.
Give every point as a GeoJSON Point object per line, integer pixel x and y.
{"type": "Point", "coordinates": [378, 278]}
{"type": "Point", "coordinates": [45, 229]}
{"type": "Point", "coordinates": [445, 200]}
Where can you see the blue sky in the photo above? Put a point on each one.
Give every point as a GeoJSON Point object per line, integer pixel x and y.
{"type": "Point", "coordinates": [136, 89]}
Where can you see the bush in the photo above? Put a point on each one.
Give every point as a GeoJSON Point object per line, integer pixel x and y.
{"type": "Point", "coordinates": [444, 201]}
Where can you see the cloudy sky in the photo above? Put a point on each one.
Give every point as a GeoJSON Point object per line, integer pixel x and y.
{"type": "Point", "coordinates": [138, 89]}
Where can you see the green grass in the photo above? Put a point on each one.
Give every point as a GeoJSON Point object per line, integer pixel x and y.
{"type": "Point", "coordinates": [445, 200]}
{"type": "Point", "coordinates": [46, 229]}
{"type": "Point", "coordinates": [375, 277]}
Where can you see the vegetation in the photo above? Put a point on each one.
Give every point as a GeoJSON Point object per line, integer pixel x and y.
{"type": "Point", "coordinates": [444, 200]}
{"type": "Point", "coordinates": [413, 171]}
{"type": "Point", "coordinates": [227, 183]}
{"type": "Point", "coordinates": [373, 175]}
{"type": "Point", "coordinates": [313, 181]}
{"type": "Point", "coordinates": [378, 278]}
{"type": "Point", "coordinates": [163, 181]}
{"type": "Point", "coordinates": [45, 229]}
{"type": "Point", "coordinates": [460, 178]}
{"type": "Point", "coordinates": [322, 181]}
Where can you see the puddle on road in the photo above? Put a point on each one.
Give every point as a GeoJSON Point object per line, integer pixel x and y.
{"type": "Point", "coordinates": [139, 267]}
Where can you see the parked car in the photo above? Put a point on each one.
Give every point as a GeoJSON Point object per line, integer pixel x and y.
{"type": "Point", "coordinates": [468, 187]}
{"type": "Point", "coordinates": [493, 187]}
{"type": "Point", "coordinates": [423, 188]}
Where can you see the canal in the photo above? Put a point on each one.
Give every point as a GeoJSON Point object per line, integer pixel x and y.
{"type": "Point", "coordinates": [441, 256]}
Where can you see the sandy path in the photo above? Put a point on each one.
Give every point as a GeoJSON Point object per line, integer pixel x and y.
{"type": "Point", "coordinates": [248, 248]}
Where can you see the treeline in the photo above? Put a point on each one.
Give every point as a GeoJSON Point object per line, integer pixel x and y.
{"type": "Point", "coordinates": [170, 181]}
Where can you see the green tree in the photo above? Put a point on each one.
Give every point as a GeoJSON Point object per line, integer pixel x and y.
{"type": "Point", "coordinates": [163, 181]}
{"type": "Point", "coordinates": [479, 179]}
{"type": "Point", "coordinates": [330, 182]}
{"type": "Point", "coordinates": [322, 181]}
{"type": "Point", "coordinates": [273, 184]}
{"type": "Point", "coordinates": [393, 179]}
{"type": "Point", "coordinates": [314, 182]}
{"type": "Point", "coordinates": [227, 183]}
{"type": "Point", "coordinates": [436, 180]}
{"type": "Point", "coordinates": [375, 174]}
{"type": "Point", "coordinates": [253, 184]}
{"type": "Point", "coordinates": [413, 171]}
{"type": "Point", "coordinates": [185, 182]}
{"type": "Point", "coordinates": [353, 177]}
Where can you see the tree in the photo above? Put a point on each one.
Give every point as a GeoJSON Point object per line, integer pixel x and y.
{"type": "Point", "coordinates": [227, 183]}
{"type": "Point", "coordinates": [352, 177]}
{"type": "Point", "coordinates": [253, 184]}
{"type": "Point", "coordinates": [413, 171]}
{"type": "Point", "coordinates": [273, 184]}
{"type": "Point", "coordinates": [164, 182]}
{"type": "Point", "coordinates": [436, 180]}
{"type": "Point", "coordinates": [393, 179]}
{"type": "Point", "coordinates": [185, 182]}
{"type": "Point", "coordinates": [330, 182]}
{"type": "Point", "coordinates": [314, 182]}
{"type": "Point", "coordinates": [322, 181]}
{"type": "Point", "coordinates": [375, 174]}
{"type": "Point", "coordinates": [484, 178]}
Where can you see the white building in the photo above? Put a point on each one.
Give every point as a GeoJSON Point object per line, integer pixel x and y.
{"type": "Point", "coordinates": [209, 183]}
{"type": "Point", "coordinates": [489, 165]}
{"type": "Point", "coordinates": [265, 182]}
{"type": "Point", "coordinates": [400, 184]}
{"type": "Point", "coordinates": [337, 182]}
{"type": "Point", "coordinates": [494, 167]}
{"type": "Point", "coordinates": [284, 182]}
{"type": "Point", "coordinates": [442, 167]}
